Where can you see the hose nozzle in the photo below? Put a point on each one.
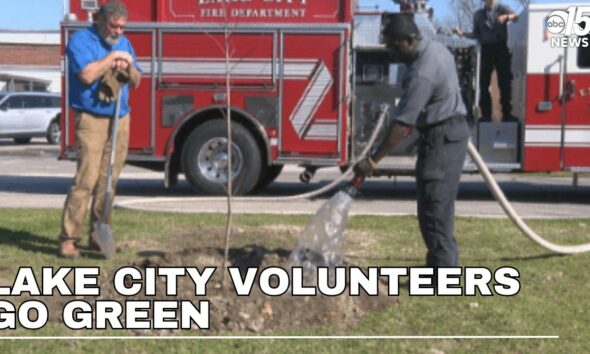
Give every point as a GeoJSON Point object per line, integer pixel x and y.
{"type": "Point", "coordinates": [353, 188]}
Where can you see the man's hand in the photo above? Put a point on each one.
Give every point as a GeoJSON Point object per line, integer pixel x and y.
{"type": "Point", "coordinates": [507, 17]}
{"type": "Point", "coordinates": [114, 60]}
{"type": "Point", "coordinates": [364, 167]}
{"type": "Point", "coordinates": [120, 65]}
{"type": "Point", "coordinates": [123, 61]}
{"type": "Point", "coordinates": [458, 31]}
{"type": "Point", "coordinates": [120, 60]}
{"type": "Point", "coordinates": [118, 55]}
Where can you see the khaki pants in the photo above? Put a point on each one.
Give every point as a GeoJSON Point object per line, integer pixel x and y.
{"type": "Point", "coordinates": [93, 141]}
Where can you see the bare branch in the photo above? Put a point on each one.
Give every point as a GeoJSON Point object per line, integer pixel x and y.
{"type": "Point", "coordinates": [229, 222]}
{"type": "Point", "coordinates": [463, 13]}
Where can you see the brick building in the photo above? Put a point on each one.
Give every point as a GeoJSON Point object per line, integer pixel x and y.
{"type": "Point", "coordinates": [30, 60]}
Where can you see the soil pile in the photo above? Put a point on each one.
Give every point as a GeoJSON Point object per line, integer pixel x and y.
{"type": "Point", "coordinates": [258, 312]}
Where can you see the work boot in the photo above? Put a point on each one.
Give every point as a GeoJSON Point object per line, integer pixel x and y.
{"type": "Point", "coordinates": [68, 249]}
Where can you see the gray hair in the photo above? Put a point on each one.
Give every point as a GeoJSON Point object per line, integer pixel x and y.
{"type": "Point", "coordinates": [112, 8]}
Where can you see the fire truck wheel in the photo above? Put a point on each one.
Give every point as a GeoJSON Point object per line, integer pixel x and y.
{"type": "Point", "coordinates": [205, 159]}
{"type": "Point", "coordinates": [269, 175]}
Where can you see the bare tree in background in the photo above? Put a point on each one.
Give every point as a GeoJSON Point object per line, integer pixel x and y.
{"type": "Point", "coordinates": [464, 11]}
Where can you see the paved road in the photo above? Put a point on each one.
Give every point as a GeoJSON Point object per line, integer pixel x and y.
{"type": "Point", "coordinates": [31, 177]}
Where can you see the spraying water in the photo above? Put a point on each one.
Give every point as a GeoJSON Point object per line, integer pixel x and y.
{"type": "Point", "coordinates": [320, 243]}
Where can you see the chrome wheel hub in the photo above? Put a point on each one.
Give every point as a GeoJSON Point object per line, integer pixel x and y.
{"type": "Point", "coordinates": [212, 160]}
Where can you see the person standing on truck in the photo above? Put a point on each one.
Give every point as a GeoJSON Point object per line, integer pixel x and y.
{"type": "Point", "coordinates": [491, 31]}
{"type": "Point", "coordinates": [92, 53]}
{"type": "Point", "coordinates": [431, 103]}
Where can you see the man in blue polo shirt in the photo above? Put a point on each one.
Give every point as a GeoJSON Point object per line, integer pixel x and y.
{"type": "Point", "coordinates": [91, 53]}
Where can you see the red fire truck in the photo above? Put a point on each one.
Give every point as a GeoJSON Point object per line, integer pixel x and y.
{"type": "Point", "coordinates": [290, 91]}
{"type": "Point", "coordinates": [307, 78]}
{"type": "Point", "coordinates": [552, 89]}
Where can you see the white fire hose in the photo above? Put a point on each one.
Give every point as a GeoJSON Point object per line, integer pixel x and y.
{"type": "Point", "coordinates": [384, 113]}
{"type": "Point", "coordinates": [483, 169]}
{"type": "Point", "coordinates": [517, 220]}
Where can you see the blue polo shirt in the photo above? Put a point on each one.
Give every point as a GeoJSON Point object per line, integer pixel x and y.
{"type": "Point", "coordinates": [84, 47]}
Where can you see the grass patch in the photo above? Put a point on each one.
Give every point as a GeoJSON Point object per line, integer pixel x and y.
{"type": "Point", "coordinates": [552, 300]}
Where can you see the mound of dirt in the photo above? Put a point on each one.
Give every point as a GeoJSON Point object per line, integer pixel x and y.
{"type": "Point", "coordinates": [257, 312]}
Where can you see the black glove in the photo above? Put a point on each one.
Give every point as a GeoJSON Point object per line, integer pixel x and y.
{"type": "Point", "coordinates": [111, 84]}
{"type": "Point", "coordinates": [364, 167]}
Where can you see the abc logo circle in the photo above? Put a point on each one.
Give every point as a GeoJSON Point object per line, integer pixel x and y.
{"type": "Point", "coordinates": [556, 24]}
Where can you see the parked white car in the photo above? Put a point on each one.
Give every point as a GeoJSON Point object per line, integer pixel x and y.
{"type": "Point", "coordinates": [24, 115]}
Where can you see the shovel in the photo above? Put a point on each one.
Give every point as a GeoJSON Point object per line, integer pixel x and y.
{"type": "Point", "coordinates": [104, 234]}
{"type": "Point", "coordinates": [320, 243]}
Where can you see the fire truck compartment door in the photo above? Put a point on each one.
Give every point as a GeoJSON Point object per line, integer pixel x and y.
{"type": "Point", "coordinates": [557, 94]}
{"type": "Point", "coordinates": [577, 118]}
{"type": "Point", "coordinates": [312, 90]}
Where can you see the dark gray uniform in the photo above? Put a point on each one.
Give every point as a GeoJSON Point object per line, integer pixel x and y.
{"type": "Point", "coordinates": [492, 36]}
{"type": "Point", "coordinates": [432, 103]}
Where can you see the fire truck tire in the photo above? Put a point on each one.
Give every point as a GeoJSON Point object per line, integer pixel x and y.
{"type": "Point", "coordinates": [205, 156]}
{"type": "Point", "coordinates": [269, 175]}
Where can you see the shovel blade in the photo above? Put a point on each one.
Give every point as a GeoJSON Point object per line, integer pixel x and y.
{"type": "Point", "coordinates": [104, 238]}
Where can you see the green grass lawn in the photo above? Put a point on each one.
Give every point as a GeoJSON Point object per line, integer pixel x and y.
{"type": "Point", "coordinates": [553, 299]}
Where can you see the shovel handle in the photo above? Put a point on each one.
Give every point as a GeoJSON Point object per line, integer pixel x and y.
{"type": "Point", "coordinates": [109, 187]}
